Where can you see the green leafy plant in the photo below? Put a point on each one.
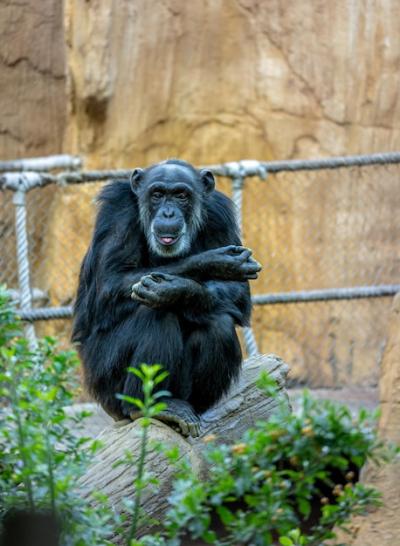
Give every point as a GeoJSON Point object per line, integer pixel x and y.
{"type": "Point", "coordinates": [289, 481]}
{"type": "Point", "coordinates": [41, 454]}
{"type": "Point", "coordinates": [150, 406]}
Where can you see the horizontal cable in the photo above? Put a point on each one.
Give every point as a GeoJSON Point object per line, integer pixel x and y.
{"type": "Point", "coordinates": [36, 294]}
{"type": "Point", "coordinates": [240, 169]}
{"type": "Point", "coordinates": [355, 292]}
{"type": "Point", "coordinates": [42, 163]}
{"type": "Point", "coordinates": [251, 168]}
{"type": "Point", "coordinates": [46, 313]}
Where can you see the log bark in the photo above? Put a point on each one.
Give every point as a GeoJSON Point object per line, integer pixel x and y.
{"type": "Point", "coordinates": [240, 410]}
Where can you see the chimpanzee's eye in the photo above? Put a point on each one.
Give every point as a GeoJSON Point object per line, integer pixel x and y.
{"type": "Point", "coordinates": [182, 196]}
{"type": "Point", "coordinates": [156, 196]}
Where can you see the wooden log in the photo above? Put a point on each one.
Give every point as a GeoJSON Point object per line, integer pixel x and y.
{"type": "Point", "coordinates": [240, 410]}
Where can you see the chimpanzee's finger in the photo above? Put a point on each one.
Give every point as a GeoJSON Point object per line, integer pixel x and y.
{"type": "Point", "coordinates": [153, 280]}
{"type": "Point", "coordinates": [159, 277]}
{"type": "Point", "coordinates": [144, 293]}
{"type": "Point", "coordinates": [183, 426]}
{"type": "Point", "coordinates": [134, 288]}
{"type": "Point", "coordinates": [135, 297]}
{"type": "Point", "coordinates": [240, 249]}
{"type": "Point", "coordinates": [146, 281]}
{"type": "Point", "coordinates": [156, 277]}
{"type": "Point", "coordinates": [194, 430]}
{"type": "Point", "coordinates": [251, 267]}
{"type": "Point", "coordinates": [254, 263]}
{"type": "Point", "coordinates": [231, 249]}
{"type": "Point", "coordinates": [244, 255]}
{"type": "Point", "coordinates": [135, 294]}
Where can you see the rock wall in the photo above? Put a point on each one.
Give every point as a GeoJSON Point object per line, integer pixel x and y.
{"type": "Point", "coordinates": [33, 103]}
{"type": "Point", "coordinates": [218, 81]}
{"type": "Point", "coordinates": [382, 526]}
{"type": "Point", "coordinates": [233, 79]}
{"type": "Point", "coordinates": [32, 68]}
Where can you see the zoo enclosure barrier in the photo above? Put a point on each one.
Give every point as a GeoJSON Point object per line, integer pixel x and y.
{"type": "Point", "coordinates": [23, 178]}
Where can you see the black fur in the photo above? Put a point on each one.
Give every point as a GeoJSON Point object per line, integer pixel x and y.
{"type": "Point", "coordinates": [194, 339]}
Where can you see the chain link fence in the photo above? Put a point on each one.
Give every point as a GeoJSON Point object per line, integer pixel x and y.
{"type": "Point", "coordinates": [324, 225]}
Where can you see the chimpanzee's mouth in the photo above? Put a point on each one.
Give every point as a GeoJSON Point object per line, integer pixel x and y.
{"type": "Point", "coordinates": [167, 240]}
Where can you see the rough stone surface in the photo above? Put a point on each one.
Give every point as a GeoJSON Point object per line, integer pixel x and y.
{"type": "Point", "coordinates": [221, 81]}
{"type": "Point", "coordinates": [227, 80]}
{"type": "Point", "coordinates": [32, 67]}
{"type": "Point", "coordinates": [33, 102]}
{"type": "Point", "coordinates": [382, 526]}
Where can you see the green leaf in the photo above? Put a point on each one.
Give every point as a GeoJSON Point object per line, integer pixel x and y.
{"type": "Point", "coordinates": [160, 377]}
{"type": "Point", "coordinates": [136, 372]}
{"type": "Point", "coordinates": [286, 541]}
{"type": "Point", "coordinates": [209, 536]}
{"type": "Point", "coordinates": [304, 507]}
{"type": "Point", "coordinates": [157, 408]}
{"type": "Point", "coordinates": [134, 401]}
{"type": "Point", "coordinates": [161, 394]}
{"type": "Point", "coordinates": [226, 515]}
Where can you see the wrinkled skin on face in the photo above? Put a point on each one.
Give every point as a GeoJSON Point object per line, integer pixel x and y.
{"type": "Point", "coordinates": [170, 198]}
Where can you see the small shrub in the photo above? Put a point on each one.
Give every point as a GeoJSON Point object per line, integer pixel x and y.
{"type": "Point", "coordinates": [41, 457]}
{"type": "Point", "coordinates": [288, 481]}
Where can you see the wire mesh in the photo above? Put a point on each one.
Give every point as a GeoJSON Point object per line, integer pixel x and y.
{"type": "Point", "coordinates": [8, 257]}
{"type": "Point", "coordinates": [60, 225]}
{"type": "Point", "coordinates": [309, 229]}
{"type": "Point", "coordinates": [325, 229]}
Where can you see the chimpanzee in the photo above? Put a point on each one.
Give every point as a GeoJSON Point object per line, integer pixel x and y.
{"type": "Point", "coordinates": [165, 281]}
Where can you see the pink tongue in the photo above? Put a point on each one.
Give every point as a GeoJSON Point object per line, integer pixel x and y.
{"type": "Point", "coordinates": [167, 240]}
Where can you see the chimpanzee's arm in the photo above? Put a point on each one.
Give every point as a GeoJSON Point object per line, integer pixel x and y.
{"type": "Point", "coordinates": [231, 263]}
{"type": "Point", "coordinates": [221, 297]}
{"type": "Point", "coordinates": [107, 278]}
{"type": "Point", "coordinates": [193, 300]}
{"type": "Point", "coordinates": [232, 297]}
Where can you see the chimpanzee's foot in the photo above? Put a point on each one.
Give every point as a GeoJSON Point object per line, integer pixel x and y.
{"type": "Point", "coordinates": [181, 416]}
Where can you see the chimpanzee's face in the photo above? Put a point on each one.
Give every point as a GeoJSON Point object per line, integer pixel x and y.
{"type": "Point", "coordinates": [170, 197]}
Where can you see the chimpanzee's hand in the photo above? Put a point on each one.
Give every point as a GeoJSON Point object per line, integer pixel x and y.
{"type": "Point", "coordinates": [159, 290]}
{"type": "Point", "coordinates": [230, 263]}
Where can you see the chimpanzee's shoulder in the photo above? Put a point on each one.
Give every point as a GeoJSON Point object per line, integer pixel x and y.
{"type": "Point", "coordinates": [220, 209]}
{"type": "Point", "coordinates": [221, 225]}
{"type": "Point", "coordinates": [116, 192]}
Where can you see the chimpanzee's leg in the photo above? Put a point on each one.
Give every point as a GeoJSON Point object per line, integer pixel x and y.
{"type": "Point", "coordinates": [213, 355]}
{"type": "Point", "coordinates": [159, 341]}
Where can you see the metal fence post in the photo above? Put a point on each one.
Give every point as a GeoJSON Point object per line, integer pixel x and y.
{"type": "Point", "coordinates": [19, 201]}
{"type": "Point", "coordinates": [237, 198]}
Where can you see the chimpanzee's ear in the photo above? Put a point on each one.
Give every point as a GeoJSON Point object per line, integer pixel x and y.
{"type": "Point", "coordinates": [208, 180]}
{"type": "Point", "coordinates": [135, 179]}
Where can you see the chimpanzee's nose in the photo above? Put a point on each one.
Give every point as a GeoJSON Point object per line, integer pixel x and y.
{"type": "Point", "coordinates": [168, 212]}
